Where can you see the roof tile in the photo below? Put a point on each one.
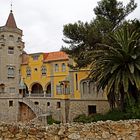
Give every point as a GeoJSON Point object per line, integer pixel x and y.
{"type": "Point", "coordinates": [52, 56]}
{"type": "Point", "coordinates": [11, 21]}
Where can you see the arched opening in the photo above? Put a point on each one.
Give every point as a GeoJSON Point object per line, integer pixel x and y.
{"type": "Point", "coordinates": [37, 90]}
{"type": "Point", "coordinates": [2, 87]}
{"type": "Point", "coordinates": [25, 113]}
{"type": "Point", "coordinates": [88, 88]}
{"type": "Point", "coordinates": [26, 90]}
{"type": "Point", "coordinates": [48, 90]}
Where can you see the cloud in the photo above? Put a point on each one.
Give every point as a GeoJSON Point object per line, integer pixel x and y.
{"type": "Point", "coordinates": [42, 20]}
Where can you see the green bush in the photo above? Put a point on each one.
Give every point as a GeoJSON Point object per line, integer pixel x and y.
{"type": "Point", "coordinates": [114, 115]}
{"type": "Point", "coordinates": [50, 120]}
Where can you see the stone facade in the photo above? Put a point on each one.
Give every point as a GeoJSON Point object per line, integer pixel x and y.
{"type": "Point", "coordinates": [109, 130]}
{"type": "Point", "coordinates": [77, 107]}
{"type": "Point", "coordinates": [41, 84]}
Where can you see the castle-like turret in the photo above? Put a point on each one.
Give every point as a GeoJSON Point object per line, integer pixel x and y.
{"type": "Point", "coordinates": [11, 48]}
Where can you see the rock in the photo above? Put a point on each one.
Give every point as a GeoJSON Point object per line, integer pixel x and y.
{"type": "Point", "coordinates": [90, 135]}
{"type": "Point", "coordinates": [74, 136]}
{"type": "Point", "coordinates": [13, 129]}
{"type": "Point", "coordinates": [105, 135]}
{"type": "Point", "coordinates": [61, 131]}
{"type": "Point", "coordinates": [40, 135]}
{"type": "Point", "coordinates": [32, 131]}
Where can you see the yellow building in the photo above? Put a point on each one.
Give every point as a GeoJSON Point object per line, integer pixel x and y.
{"type": "Point", "coordinates": [42, 84]}
{"type": "Point", "coordinates": [46, 74]}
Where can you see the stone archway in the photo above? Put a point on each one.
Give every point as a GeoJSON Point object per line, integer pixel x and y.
{"type": "Point", "coordinates": [25, 113]}
{"type": "Point", "coordinates": [48, 90]}
{"type": "Point", "coordinates": [36, 89]}
{"type": "Point", "coordinates": [2, 87]}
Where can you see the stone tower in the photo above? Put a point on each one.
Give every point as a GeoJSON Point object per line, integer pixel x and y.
{"type": "Point", "coordinates": [11, 48]}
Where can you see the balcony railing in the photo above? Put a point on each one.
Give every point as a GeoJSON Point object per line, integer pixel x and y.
{"type": "Point", "coordinates": [38, 95]}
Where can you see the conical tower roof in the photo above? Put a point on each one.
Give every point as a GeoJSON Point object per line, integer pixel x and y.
{"type": "Point", "coordinates": [11, 21]}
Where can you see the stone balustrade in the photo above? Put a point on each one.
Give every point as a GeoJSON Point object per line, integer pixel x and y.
{"type": "Point", "coordinates": [109, 130]}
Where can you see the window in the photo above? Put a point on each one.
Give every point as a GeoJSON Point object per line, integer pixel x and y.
{"type": "Point", "coordinates": [91, 87]}
{"type": "Point", "coordinates": [43, 70]}
{"type": "Point", "coordinates": [63, 67]}
{"type": "Point", "coordinates": [11, 37]}
{"type": "Point", "coordinates": [35, 69]}
{"type": "Point", "coordinates": [67, 89]}
{"type": "Point", "coordinates": [10, 50]}
{"type": "Point", "coordinates": [56, 68]}
{"type": "Point", "coordinates": [58, 105]}
{"type": "Point", "coordinates": [28, 71]}
{"type": "Point", "coordinates": [12, 90]}
{"type": "Point", "coordinates": [35, 57]}
{"type": "Point", "coordinates": [88, 87]}
{"type": "Point", "coordinates": [2, 36]}
{"type": "Point", "coordinates": [10, 103]}
{"type": "Point", "coordinates": [76, 80]}
{"type": "Point", "coordinates": [85, 87]}
{"type": "Point", "coordinates": [36, 103]}
{"type": "Point", "coordinates": [19, 38]}
{"type": "Point", "coordinates": [2, 86]}
{"type": "Point", "coordinates": [48, 104]}
{"type": "Point", "coordinates": [11, 72]}
{"type": "Point", "coordinates": [91, 109]}
{"type": "Point", "coordinates": [58, 89]}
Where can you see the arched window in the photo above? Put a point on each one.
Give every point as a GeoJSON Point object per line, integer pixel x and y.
{"type": "Point", "coordinates": [37, 88]}
{"type": "Point", "coordinates": [56, 68]}
{"type": "Point", "coordinates": [10, 50]}
{"type": "Point", "coordinates": [11, 37]}
{"type": "Point", "coordinates": [28, 71]}
{"type": "Point", "coordinates": [85, 87]}
{"type": "Point", "coordinates": [43, 70]}
{"type": "Point", "coordinates": [88, 87]}
{"type": "Point", "coordinates": [58, 89]}
{"type": "Point", "coordinates": [11, 71]}
{"type": "Point", "coordinates": [63, 67]}
{"type": "Point", "coordinates": [91, 87]}
{"type": "Point", "coordinates": [2, 36]}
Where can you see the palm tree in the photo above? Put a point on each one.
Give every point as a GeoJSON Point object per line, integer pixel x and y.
{"type": "Point", "coordinates": [116, 67]}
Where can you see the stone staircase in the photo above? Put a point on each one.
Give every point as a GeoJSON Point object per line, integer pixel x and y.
{"type": "Point", "coordinates": [36, 109]}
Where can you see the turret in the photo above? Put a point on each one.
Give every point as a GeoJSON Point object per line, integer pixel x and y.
{"type": "Point", "coordinates": [11, 48]}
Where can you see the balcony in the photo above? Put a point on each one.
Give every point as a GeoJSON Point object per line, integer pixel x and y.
{"type": "Point", "coordinates": [38, 95]}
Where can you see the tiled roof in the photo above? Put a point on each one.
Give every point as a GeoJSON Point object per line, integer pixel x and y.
{"type": "Point", "coordinates": [11, 21]}
{"type": "Point", "coordinates": [54, 56]}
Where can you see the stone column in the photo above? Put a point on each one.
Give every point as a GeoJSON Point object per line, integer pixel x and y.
{"type": "Point", "coordinates": [29, 93]}
{"type": "Point", "coordinates": [44, 93]}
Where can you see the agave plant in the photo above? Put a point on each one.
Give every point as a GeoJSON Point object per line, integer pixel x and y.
{"type": "Point", "coordinates": [116, 67]}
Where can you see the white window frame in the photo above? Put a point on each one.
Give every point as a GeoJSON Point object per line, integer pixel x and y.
{"type": "Point", "coordinates": [43, 70]}
{"type": "Point", "coordinates": [11, 71]}
{"type": "Point", "coordinates": [28, 71]}
{"type": "Point", "coordinates": [63, 67]}
{"type": "Point", "coordinates": [56, 68]}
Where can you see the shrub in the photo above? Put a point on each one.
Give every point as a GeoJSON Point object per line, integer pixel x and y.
{"type": "Point", "coordinates": [114, 115]}
{"type": "Point", "coordinates": [50, 120]}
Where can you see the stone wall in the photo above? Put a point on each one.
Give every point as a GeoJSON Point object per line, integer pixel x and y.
{"type": "Point", "coordinates": [9, 113]}
{"type": "Point", "coordinates": [77, 107]}
{"type": "Point", "coordinates": [68, 110]}
{"type": "Point", "coordinates": [109, 130]}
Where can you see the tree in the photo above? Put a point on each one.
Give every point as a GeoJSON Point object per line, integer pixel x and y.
{"type": "Point", "coordinates": [82, 37]}
{"type": "Point", "coordinates": [109, 47]}
{"type": "Point", "coordinates": [113, 12]}
{"type": "Point", "coordinates": [116, 67]}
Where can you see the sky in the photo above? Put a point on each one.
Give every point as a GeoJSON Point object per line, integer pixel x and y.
{"type": "Point", "coordinates": [42, 21]}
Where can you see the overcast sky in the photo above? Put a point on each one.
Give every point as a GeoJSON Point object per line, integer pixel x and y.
{"type": "Point", "coordinates": [42, 20]}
